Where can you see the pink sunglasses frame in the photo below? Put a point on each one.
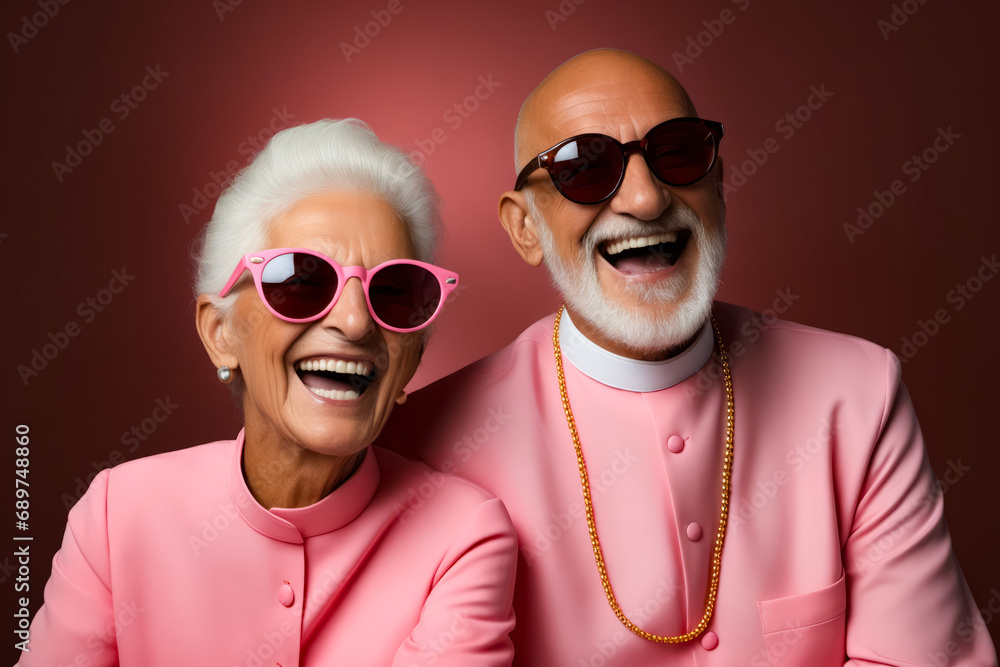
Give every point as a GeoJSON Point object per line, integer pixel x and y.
{"type": "Point", "coordinates": [255, 262]}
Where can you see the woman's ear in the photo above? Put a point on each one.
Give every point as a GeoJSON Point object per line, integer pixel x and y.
{"type": "Point", "coordinates": [516, 219]}
{"type": "Point", "coordinates": [214, 331]}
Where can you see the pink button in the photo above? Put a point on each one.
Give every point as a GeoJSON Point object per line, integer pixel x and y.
{"type": "Point", "coordinates": [709, 640]}
{"type": "Point", "coordinates": [694, 531]}
{"type": "Point", "coordinates": [675, 443]}
{"type": "Point", "coordinates": [286, 595]}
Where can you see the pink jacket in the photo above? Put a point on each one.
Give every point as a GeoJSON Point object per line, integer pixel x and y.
{"type": "Point", "coordinates": [837, 550]}
{"type": "Point", "coordinates": [168, 560]}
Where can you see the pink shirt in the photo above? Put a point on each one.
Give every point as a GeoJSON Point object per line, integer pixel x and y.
{"type": "Point", "coordinates": [837, 549]}
{"type": "Point", "coordinates": [169, 560]}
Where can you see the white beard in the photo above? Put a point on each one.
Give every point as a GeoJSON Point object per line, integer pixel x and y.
{"type": "Point", "coordinates": [638, 328]}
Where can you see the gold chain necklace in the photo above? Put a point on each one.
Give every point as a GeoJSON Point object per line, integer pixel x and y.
{"type": "Point", "coordinates": [713, 586]}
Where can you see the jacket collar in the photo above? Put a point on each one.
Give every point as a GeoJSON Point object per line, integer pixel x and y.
{"type": "Point", "coordinates": [632, 374]}
{"type": "Point", "coordinates": [294, 525]}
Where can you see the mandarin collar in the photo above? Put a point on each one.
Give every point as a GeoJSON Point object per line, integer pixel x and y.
{"type": "Point", "coordinates": [632, 374]}
{"type": "Point", "coordinates": [294, 525]}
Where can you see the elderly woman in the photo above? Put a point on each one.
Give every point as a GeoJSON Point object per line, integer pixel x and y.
{"type": "Point", "coordinates": [299, 542]}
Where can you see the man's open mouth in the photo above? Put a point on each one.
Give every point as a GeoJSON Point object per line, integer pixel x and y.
{"type": "Point", "coordinates": [637, 255]}
{"type": "Point", "coordinates": [339, 379]}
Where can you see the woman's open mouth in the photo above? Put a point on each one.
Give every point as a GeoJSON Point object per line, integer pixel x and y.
{"type": "Point", "coordinates": [334, 378]}
{"type": "Point", "coordinates": [639, 255]}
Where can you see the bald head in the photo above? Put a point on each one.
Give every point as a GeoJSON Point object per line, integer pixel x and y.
{"type": "Point", "coordinates": [645, 299]}
{"type": "Point", "coordinates": [585, 86]}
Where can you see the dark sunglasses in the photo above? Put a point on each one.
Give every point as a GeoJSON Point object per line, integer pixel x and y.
{"type": "Point", "coordinates": [301, 285]}
{"type": "Point", "coordinates": [589, 168]}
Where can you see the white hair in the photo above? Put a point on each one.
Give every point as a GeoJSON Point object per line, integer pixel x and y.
{"type": "Point", "coordinates": [302, 161]}
{"type": "Point", "coordinates": [638, 329]}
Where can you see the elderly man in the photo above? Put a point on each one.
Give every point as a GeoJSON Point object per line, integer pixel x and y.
{"type": "Point", "coordinates": [770, 503]}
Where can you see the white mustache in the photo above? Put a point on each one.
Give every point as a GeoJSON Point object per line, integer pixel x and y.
{"type": "Point", "coordinates": [616, 226]}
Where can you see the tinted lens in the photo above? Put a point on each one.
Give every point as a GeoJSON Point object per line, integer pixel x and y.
{"type": "Point", "coordinates": [587, 169]}
{"type": "Point", "coordinates": [680, 153]}
{"type": "Point", "coordinates": [298, 285]}
{"type": "Point", "coordinates": [404, 296]}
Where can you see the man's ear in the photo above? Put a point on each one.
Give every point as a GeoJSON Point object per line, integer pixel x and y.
{"type": "Point", "coordinates": [516, 219]}
{"type": "Point", "coordinates": [214, 331]}
{"type": "Point", "coordinates": [720, 178]}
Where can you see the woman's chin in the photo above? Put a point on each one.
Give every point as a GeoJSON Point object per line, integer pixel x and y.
{"type": "Point", "coordinates": [344, 440]}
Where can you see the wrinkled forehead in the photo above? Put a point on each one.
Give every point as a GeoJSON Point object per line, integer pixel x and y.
{"type": "Point", "coordinates": [622, 110]}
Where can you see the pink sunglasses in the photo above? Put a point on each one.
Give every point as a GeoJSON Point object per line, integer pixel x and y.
{"type": "Point", "coordinates": [300, 285]}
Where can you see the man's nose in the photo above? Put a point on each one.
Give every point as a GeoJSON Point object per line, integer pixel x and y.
{"type": "Point", "coordinates": [350, 314]}
{"type": "Point", "coordinates": [641, 194]}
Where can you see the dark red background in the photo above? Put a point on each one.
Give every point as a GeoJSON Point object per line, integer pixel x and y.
{"type": "Point", "coordinates": [61, 240]}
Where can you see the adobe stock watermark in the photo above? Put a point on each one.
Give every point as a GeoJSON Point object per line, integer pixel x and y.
{"type": "Point", "coordinates": [914, 168]}
{"type": "Point", "coordinates": [885, 545]}
{"type": "Point", "coordinates": [560, 523]}
{"type": "Point", "coordinates": [57, 341]}
{"type": "Point", "coordinates": [223, 7]}
{"type": "Point", "coordinates": [260, 656]}
{"type": "Point", "coordinates": [163, 408]}
{"type": "Point", "coordinates": [435, 647]}
{"type": "Point", "coordinates": [562, 12]}
{"type": "Point", "coordinates": [953, 473]}
{"type": "Point", "coordinates": [202, 197]}
{"type": "Point", "coordinates": [749, 504]}
{"type": "Point", "coordinates": [605, 651]}
{"type": "Point", "coordinates": [471, 443]}
{"type": "Point", "coordinates": [898, 17]}
{"type": "Point", "coordinates": [787, 125]}
{"type": "Point", "coordinates": [967, 630]}
{"type": "Point", "coordinates": [463, 450]}
{"type": "Point", "coordinates": [214, 527]}
{"type": "Point", "coordinates": [106, 639]}
{"type": "Point", "coordinates": [779, 647]}
{"type": "Point", "coordinates": [121, 107]}
{"type": "Point", "coordinates": [696, 44]}
{"type": "Point", "coordinates": [454, 116]}
{"type": "Point", "coordinates": [957, 297]}
{"type": "Point", "coordinates": [320, 595]}
{"type": "Point", "coordinates": [7, 568]}
{"type": "Point", "coordinates": [30, 25]}
{"type": "Point", "coordinates": [417, 495]}
{"type": "Point", "coordinates": [750, 333]}
{"type": "Point", "coordinates": [364, 34]}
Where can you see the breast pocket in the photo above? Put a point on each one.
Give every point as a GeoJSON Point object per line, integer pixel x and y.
{"type": "Point", "coordinates": [807, 629]}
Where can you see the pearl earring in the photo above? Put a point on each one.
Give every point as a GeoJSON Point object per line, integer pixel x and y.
{"type": "Point", "coordinates": [225, 375]}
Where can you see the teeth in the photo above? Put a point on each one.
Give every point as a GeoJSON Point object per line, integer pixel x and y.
{"type": "Point", "coordinates": [337, 395]}
{"type": "Point", "coordinates": [640, 242]}
{"type": "Point", "coordinates": [336, 366]}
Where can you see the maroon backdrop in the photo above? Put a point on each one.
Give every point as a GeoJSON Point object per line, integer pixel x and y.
{"type": "Point", "coordinates": [859, 151]}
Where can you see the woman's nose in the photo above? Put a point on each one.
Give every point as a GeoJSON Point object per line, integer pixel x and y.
{"type": "Point", "coordinates": [350, 314]}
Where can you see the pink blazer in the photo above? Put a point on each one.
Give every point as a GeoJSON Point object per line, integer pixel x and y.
{"type": "Point", "coordinates": [168, 560]}
{"type": "Point", "coordinates": [837, 550]}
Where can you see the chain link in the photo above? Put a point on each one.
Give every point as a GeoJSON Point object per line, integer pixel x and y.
{"type": "Point", "coordinates": [727, 467]}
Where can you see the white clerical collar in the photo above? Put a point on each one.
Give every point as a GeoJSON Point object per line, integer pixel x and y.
{"type": "Point", "coordinates": [632, 374]}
